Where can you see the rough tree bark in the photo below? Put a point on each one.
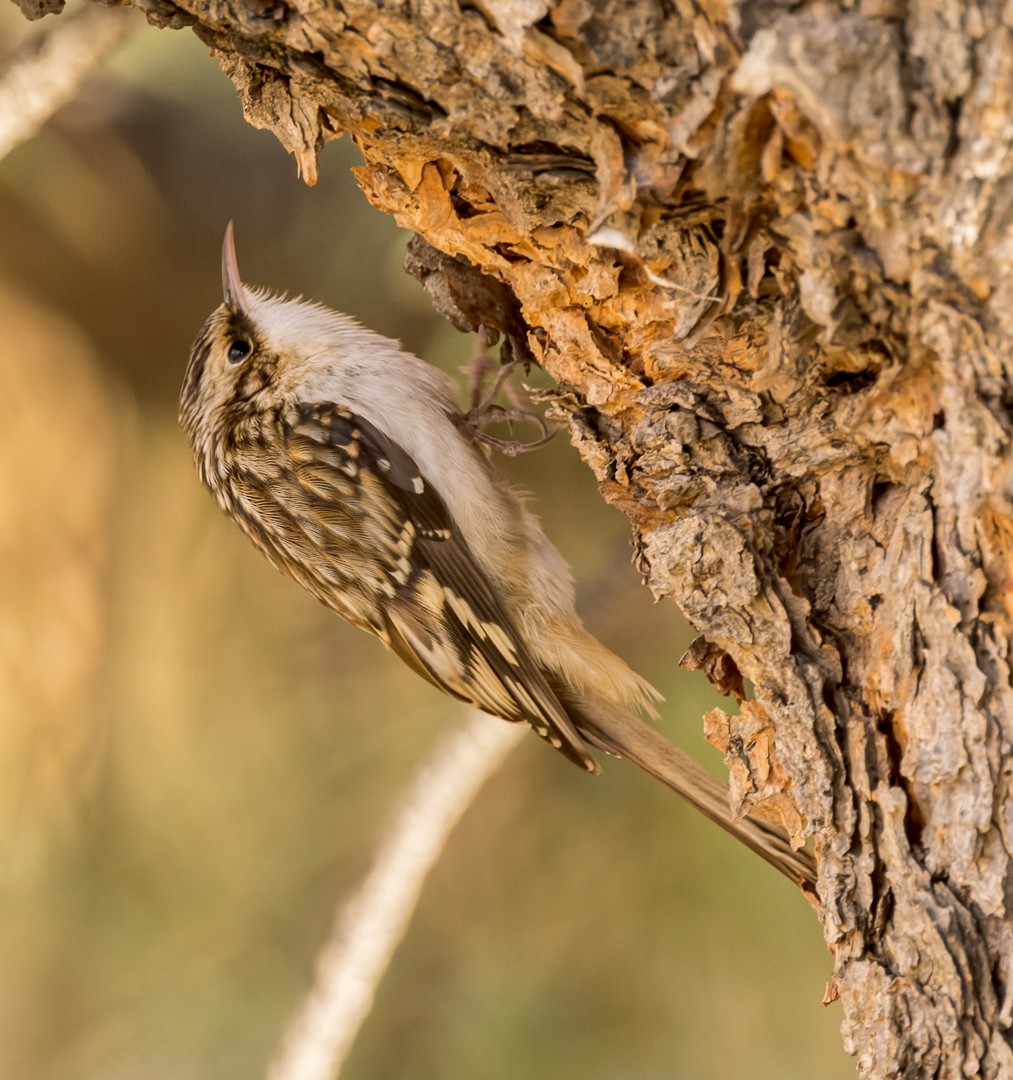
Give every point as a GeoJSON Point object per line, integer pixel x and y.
{"type": "Point", "coordinates": [764, 249]}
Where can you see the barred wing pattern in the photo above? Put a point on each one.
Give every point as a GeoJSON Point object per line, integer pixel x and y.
{"type": "Point", "coordinates": [437, 610]}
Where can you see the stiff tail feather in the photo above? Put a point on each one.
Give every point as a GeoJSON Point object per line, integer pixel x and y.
{"type": "Point", "coordinates": [625, 735]}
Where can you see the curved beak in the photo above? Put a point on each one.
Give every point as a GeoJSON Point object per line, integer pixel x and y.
{"type": "Point", "coordinates": [232, 283]}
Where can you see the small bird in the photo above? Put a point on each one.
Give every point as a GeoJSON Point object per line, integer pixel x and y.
{"type": "Point", "coordinates": [347, 462]}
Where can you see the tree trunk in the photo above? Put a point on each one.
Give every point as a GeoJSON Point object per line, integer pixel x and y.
{"type": "Point", "coordinates": [765, 252]}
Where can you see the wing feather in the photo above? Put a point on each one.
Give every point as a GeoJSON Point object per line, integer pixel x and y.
{"type": "Point", "coordinates": [438, 610]}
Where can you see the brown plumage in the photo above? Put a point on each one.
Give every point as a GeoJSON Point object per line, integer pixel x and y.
{"type": "Point", "coordinates": [347, 463]}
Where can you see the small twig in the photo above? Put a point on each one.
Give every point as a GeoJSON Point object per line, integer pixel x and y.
{"type": "Point", "coordinates": [368, 928]}
{"type": "Point", "coordinates": [48, 70]}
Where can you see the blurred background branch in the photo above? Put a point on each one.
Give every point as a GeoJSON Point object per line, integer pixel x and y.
{"type": "Point", "coordinates": [369, 927]}
{"type": "Point", "coordinates": [49, 69]}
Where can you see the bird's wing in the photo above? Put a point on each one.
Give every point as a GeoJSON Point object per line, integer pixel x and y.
{"type": "Point", "coordinates": [437, 610]}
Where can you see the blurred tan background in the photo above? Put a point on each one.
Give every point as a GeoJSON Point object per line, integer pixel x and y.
{"type": "Point", "coordinates": [196, 759]}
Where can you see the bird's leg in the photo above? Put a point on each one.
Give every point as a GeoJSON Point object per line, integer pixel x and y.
{"type": "Point", "coordinates": [478, 367]}
{"type": "Point", "coordinates": [484, 410]}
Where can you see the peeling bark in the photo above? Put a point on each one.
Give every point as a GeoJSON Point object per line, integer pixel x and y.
{"type": "Point", "coordinates": [765, 252]}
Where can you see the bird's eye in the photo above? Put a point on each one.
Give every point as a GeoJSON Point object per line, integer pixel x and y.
{"type": "Point", "coordinates": [239, 350]}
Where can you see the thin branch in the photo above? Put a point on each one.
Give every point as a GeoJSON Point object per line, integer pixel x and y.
{"type": "Point", "coordinates": [48, 70]}
{"type": "Point", "coordinates": [368, 928]}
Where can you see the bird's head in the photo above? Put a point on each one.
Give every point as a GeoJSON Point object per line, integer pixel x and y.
{"type": "Point", "coordinates": [256, 350]}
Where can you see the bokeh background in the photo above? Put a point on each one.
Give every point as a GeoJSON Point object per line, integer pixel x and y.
{"type": "Point", "coordinates": [196, 759]}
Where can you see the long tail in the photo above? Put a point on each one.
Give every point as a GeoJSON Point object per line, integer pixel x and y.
{"type": "Point", "coordinates": [625, 735]}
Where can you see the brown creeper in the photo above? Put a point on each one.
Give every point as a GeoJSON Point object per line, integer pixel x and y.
{"type": "Point", "coordinates": [346, 461]}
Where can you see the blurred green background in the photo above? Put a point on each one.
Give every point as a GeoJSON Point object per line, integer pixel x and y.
{"type": "Point", "coordinates": [196, 759]}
